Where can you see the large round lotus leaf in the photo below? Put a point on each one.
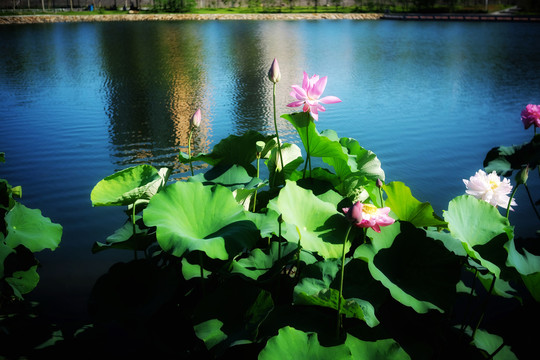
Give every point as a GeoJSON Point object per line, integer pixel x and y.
{"type": "Point", "coordinates": [4, 253]}
{"type": "Point", "coordinates": [407, 208]}
{"type": "Point", "coordinates": [191, 216]}
{"type": "Point", "coordinates": [505, 159]}
{"type": "Point", "coordinates": [387, 349]}
{"type": "Point", "coordinates": [480, 228]}
{"type": "Point", "coordinates": [292, 344]}
{"type": "Point", "coordinates": [29, 228]}
{"type": "Point", "coordinates": [318, 145]}
{"type": "Point", "coordinates": [418, 271]}
{"type": "Point", "coordinates": [23, 282]}
{"type": "Point", "coordinates": [493, 344]}
{"type": "Point", "coordinates": [127, 186]}
{"type": "Point", "coordinates": [314, 288]}
{"type": "Point", "coordinates": [321, 226]}
{"type": "Point", "coordinates": [528, 265]}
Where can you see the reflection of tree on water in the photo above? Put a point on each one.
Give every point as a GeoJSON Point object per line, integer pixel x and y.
{"type": "Point", "coordinates": [155, 81]}
{"type": "Point", "coordinates": [252, 88]}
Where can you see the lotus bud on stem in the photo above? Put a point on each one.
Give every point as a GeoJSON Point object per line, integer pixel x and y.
{"type": "Point", "coordinates": [260, 147]}
{"type": "Point", "coordinates": [275, 75]}
{"type": "Point", "coordinates": [194, 122]}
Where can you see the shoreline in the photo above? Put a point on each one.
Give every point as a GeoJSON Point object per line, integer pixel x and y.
{"type": "Point", "coordinates": [42, 19]}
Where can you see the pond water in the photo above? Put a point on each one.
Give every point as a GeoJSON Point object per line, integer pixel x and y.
{"type": "Point", "coordinates": [82, 100]}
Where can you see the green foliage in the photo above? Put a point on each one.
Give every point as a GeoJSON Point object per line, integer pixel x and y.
{"type": "Point", "coordinates": [239, 265]}
{"type": "Point", "coordinates": [23, 232]}
{"type": "Point", "coordinates": [295, 344]}
{"type": "Point", "coordinates": [270, 268]}
{"type": "Point", "coordinates": [174, 6]}
{"type": "Point", "coordinates": [190, 216]}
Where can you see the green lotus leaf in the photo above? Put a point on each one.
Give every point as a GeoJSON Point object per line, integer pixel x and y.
{"type": "Point", "coordinates": [331, 197]}
{"type": "Point", "coordinates": [490, 343]}
{"type": "Point", "coordinates": [418, 271]}
{"type": "Point", "coordinates": [319, 145]}
{"type": "Point", "coordinates": [315, 288]}
{"type": "Point", "coordinates": [233, 150]}
{"type": "Point", "coordinates": [449, 242]}
{"type": "Point", "coordinates": [367, 163]}
{"type": "Point", "coordinates": [387, 349]}
{"type": "Point", "coordinates": [532, 282]}
{"type": "Point", "coordinates": [129, 185]}
{"type": "Point", "coordinates": [528, 265]}
{"type": "Point", "coordinates": [292, 158]}
{"type": "Point", "coordinates": [359, 188]}
{"type": "Point", "coordinates": [407, 208]}
{"type": "Point", "coordinates": [210, 332]}
{"type": "Point", "coordinates": [294, 344]}
{"type": "Point", "coordinates": [29, 228]}
{"type": "Point", "coordinates": [235, 310]}
{"type": "Point", "coordinates": [320, 180]}
{"type": "Point", "coordinates": [125, 238]}
{"type": "Point", "coordinates": [482, 230]}
{"type": "Point", "coordinates": [23, 282]}
{"type": "Point", "coordinates": [321, 226]}
{"type": "Point", "coordinates": [260, 262]}
{"type": "Point", "coordinates": [267, 222]}
{"type": "Point", "coordinates": [4, 253]}
{"type": "Point", "coordinates": [189, 216]}
{"type": "Point", "coordinates": [190, 271]}
{"type": "Point", "coordinates": [505, 159]}
{"type": "Point", "coordinates": [500, 288]}
{"type": "Point", "coordinates": [233, 177]}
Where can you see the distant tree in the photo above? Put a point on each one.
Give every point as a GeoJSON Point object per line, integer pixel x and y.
{"type": "Point", "coordinates": [174, 5]}
{"type": "Point", "coordinates": [254, 4]}
{"type": "Point", "coordinates": [336, 3]}
{"type": "Point", "coordinates": [359, 4]}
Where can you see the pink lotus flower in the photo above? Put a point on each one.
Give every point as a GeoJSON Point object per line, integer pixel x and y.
{"type": "Point", "coordinates": [490, 188]}
{"type": "Point", "coordinates": [531, 116]}
{"type": "Point", "coordinates": [368, 216]}
{"type": "Point", "coordinates": [308, 95]}
{"type": "Point", "coordinates": [196, 118]}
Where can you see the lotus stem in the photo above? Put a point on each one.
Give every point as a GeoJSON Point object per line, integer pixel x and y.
{"type": "Point", "coordinates": [339, 324]}
{"type": "Point", "coordinates": [202, 270]}
{"type": "Point", "coordinates": [510, 201]}
{"type": "Point", "coordinates": [299, 249]}
{"type": "Point", "coordinates": [308, 157]}
{"type": "Point", "coordinates": [280, 220]}
{"type": "Point", "coordinates": [133, 223]}
{"type": "Point", "coordinates": [532, 201]}
{"type": "Point", "coordinates": [470, 296]}
{"type": "Point", "coordinates": [189, 151]}
{"type": "Point", "coordinates": [255, 196]}
{"type": "Point", "coordinates": [484, 305]}
{"type": "Point", "coordinates": [276, 127]}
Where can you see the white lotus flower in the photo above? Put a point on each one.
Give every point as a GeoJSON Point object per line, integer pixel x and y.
{"type": "Point", "coordinates": [490, 188]}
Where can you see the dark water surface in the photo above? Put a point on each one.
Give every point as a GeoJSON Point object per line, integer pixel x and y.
{"type": "Point", "coordinates": [80, 101]}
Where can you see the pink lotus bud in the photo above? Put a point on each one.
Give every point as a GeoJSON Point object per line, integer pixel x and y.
{"type": "Point", "coordinates": [274, 74]}
{"type": "Point", "coordinates": [379, 183]}
{"type": "Point", "coordinates": [196, 118]}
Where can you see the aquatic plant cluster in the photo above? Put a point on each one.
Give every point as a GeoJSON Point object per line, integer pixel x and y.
{"type": "Point", "coordinates": [313, 262]}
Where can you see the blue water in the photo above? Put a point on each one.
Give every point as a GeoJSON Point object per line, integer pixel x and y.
{"type": "Point", "coordinates": [82, 100]}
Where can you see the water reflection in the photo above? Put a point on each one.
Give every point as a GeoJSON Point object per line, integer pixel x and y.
{"type": "Point", "coordinates": [155, 80]}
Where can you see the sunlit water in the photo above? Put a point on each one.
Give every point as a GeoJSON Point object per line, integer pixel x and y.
{"type": "Point", "coordinates": [80, 101]}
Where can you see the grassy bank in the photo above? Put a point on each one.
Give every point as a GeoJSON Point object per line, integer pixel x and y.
{"type": "Point", "coordinates": [260, 9]}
